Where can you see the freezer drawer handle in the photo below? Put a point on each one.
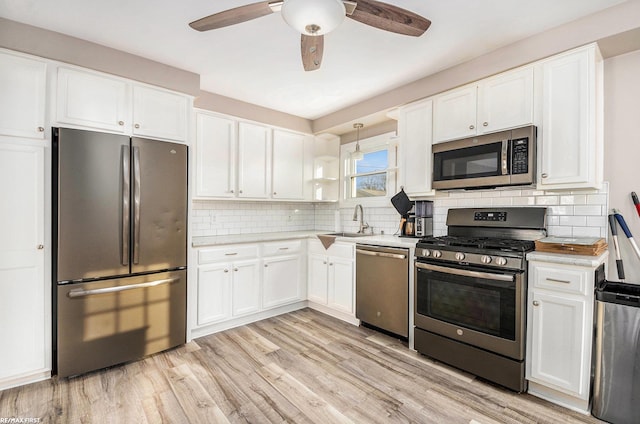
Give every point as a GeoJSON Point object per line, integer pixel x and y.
{"type": "Point", "coordinates": [382, 254]}
{"type": "Point", "coordinates": [466, 273]}
{"type": "Point", "coordinates": [83, 293]}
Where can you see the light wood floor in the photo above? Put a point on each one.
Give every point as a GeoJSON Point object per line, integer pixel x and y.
{"type": "Point", "coordinates": [302, 367]}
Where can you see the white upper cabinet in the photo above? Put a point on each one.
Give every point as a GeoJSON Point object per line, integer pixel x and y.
{"type": "Point", "coordinates": [289, 163]}
{"type": "Point", "coordinates": [415, 133]}
{"type": "Point", "coordinates": [215, 156]}
{"type": "Point", "coordinates": [157, 113]}
{"type": "Point", "coordinates": [505, 101]}
{"type": "Point", "coordinates": [22, 102]}
{"type": "Point", "coordinates": [254, 161]}
{"type": "Point", "coordinates": [99, 101]}
{"type": "Point", "coordinates": [496, 103]}
{"type": "Point", "coordinates": [571, 146]}
{"type": "Point", "coordinates": [94, 101]}
{"type": "Point", "coordinates": [455, 114]}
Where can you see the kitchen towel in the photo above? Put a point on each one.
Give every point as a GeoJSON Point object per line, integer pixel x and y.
{"type": "Point", "coordinates": [326, 240]}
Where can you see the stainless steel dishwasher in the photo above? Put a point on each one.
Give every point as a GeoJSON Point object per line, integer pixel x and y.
{"type": "Point", "coordinates": [382, 288]}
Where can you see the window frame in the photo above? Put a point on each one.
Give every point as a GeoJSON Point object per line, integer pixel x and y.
{"type": "Point", "coordinates": [384, 141]}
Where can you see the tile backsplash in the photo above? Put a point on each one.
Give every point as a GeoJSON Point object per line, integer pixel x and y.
{"type": "Point", "coordinates": [580, 213]}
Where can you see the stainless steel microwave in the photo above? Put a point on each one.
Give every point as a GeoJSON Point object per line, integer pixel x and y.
{"type": "Point", "coordinates": [493, 160]}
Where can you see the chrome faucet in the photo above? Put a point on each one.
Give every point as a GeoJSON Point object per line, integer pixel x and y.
{"type": "Point", "coordinates": [363, 225]}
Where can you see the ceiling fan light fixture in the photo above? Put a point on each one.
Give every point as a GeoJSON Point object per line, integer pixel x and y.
{"type": "Point", "coordinates": [313, 17]}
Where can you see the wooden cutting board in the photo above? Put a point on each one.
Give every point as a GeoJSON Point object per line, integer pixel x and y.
{"type": "Point", "coordinates": [590, 246]}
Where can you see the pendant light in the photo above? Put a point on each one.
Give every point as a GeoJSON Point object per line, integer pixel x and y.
{"type": "Point", "coordinates": [313, 17]}
{"type": "Point", "coordinates": [357, 154]}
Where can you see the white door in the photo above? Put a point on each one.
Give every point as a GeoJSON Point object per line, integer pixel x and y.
{"type": "Point", "coordinates": [160, 114]}
{"type": "Point", "coordinates": [288, 165]}
{"type": "Point", "coordinates": [245, 287]}
{"type": "Point", "coordinates": [317, 281]}
{"type": "Point", "coordinates": [92, 101]}
{"type": "Point", "coordinates": [254, 161]}
{"type": "Point", "coordinates": [505, 101]}
{"type": "Point", "coordinates": [454, 114]}
{"type": "Point", "coordinates": [558, 351]}
{"type": "Point", "coordinates": [341, 287]}
{"type": "Point", "coordinates": [214, 293]}
{"type": "Point", "coordinates": [22, 98]}
{"type": "Point", "coordinates": [215, 156]}
{"type": "Point", "coordinates": [281, 283]}
{"type": "Point", "coordinates": [566, 140]}
{"type": "Point", "coordinates": [415, 127]}
{"type": "Point", "coordinates": [24, 310]}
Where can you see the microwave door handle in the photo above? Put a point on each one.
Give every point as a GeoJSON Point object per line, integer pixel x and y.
{"type": "Point", "coordinates": [505, 156]}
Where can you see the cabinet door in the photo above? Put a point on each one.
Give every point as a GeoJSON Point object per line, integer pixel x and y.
{"type": "Point", "coordinates": [92, 101]}
{"type": "Point", "coordinates": [254, 161]}
{"type": "Point", "coordinates": [317, 288]}
{"type": "Point", "coordinates": [505, 101]}
{"type": "Point", "coordinates": [281, 283]}
{"type": "Point", "coordinates": [454, 114]}
{"type": "Point", "coordinates": [22, 84]}
{"type": "Point", "coordinates": [341, 287]}
{"type": "Point", "coordinates": [559, 353]}
{"type": "Point", "coordinates": [415, 125]}
{"type": "Point", "coordinates": [245, 287]}
{"type": "Point", "coordinates": [24, 311]}
{"type": "Point", "coordinates": [215, 156]}
{"type": "Point", "coordinates": [160, 114]}
{"type": "Point", "coordinates": [567, 148]}
{"type": "Point", "coordinates": [214, 293]}
{"type": "Point", "coordinates": [288, 165]}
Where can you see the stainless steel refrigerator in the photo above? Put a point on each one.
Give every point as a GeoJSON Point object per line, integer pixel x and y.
{"type": "Point", "coordinates": [120, 248]}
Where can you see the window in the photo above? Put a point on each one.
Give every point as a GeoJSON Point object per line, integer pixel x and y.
{"type": "Point", "coordinates": [369, 179]}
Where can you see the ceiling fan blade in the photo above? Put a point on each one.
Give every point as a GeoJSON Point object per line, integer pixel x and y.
{"type": "Point", "coordinates": [312, 47]}
{"type": "Point", "coordinates": [389, 18]}
{"type": "Point", "coordinates": [234, 16]}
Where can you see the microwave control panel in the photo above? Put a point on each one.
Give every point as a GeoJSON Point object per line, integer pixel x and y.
{"type": "Point", "coordinates": [520, 156]}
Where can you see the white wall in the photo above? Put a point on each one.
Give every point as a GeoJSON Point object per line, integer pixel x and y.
{"type": "Point", "coordinates": [622, 150]}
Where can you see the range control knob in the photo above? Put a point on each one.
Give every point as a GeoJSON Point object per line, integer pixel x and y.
{"type": "Point", "coordinates": [501, 261]}
{"type": "Point", "coordinates": [485, 259]}
{"type": "Point", "coordinates": [426, 253]}
{"type": "Point", "coordinates": [436, 254]}
{"type": "Point", "coordinates": [459, 256]}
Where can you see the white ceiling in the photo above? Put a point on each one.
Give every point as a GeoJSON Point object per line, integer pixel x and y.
{"type": "Point", "coordinates": [259, 61]}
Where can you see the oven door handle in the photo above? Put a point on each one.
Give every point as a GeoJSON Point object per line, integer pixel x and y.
{"type": "Point", "coordinates": [465, 273]}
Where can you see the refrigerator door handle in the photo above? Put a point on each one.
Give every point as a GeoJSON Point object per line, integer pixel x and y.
{"type": "Point", "coordinates": [83, 293]}
{"type": "Point", "coordinates": [126, 191]}
{"type": "Point", "coordinates": [136, 205]}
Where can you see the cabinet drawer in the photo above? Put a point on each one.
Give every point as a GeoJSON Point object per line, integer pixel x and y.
{"type": "Point", "coordinates": [281, 247]}
{"type": "Point", "coordinates": [561, 279]}
{"type": "Point", "coordinates": [227, 253]}
{"type": "Point", "coordinates": [341, 250]}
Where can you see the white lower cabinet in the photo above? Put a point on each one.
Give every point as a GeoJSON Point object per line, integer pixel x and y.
{"type": "Point", "coordinates": [331, 278]}
{"type": "Point", "coordinates": [560, 327]}
{"type": "Point", "coordinates": [24, 292]}
{"type": "Point", "coordinates": [237, 284]}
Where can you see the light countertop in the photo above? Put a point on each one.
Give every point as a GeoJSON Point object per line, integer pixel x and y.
{"type": "Point", "coordinates": [567, 259]}
{"type": "Point", "coordinates": [377, 240]}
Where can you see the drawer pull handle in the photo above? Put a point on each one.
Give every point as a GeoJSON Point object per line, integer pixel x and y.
{"type": "Point", "coordinates": [553, 280]}
{"type": "Point", "coordinates": [231, 254]}
{"type": "Point", "coordinates": [226, 270]}
{"type": "Point", "coordinates": [283, 248]}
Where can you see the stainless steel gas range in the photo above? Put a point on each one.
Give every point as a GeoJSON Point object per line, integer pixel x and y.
{"type": "Point", "coordinates": [470, 291]}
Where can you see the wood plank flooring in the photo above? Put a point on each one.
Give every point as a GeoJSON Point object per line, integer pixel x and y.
{"type": "Point", "coordinates": [301, 367]}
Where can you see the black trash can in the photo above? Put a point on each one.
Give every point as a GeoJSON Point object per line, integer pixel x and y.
{"type": "Point", "coordinates": [616, 386]}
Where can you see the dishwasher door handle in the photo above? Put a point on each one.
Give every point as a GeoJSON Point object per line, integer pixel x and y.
{"type": "Point", "coordinates": [382, 254]}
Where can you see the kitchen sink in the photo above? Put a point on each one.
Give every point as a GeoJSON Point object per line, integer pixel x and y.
{"type": "Point", "coordinates": [343, 234]}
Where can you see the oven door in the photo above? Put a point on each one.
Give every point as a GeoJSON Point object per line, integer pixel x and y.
{"type": "Point", "coordinates": [477, 162]}
{"type": "Point", "coordinates": [476, 306]}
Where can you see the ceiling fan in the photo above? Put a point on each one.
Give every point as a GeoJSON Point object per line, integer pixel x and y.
{"type": "Point", "coordinates": [314, 18]}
